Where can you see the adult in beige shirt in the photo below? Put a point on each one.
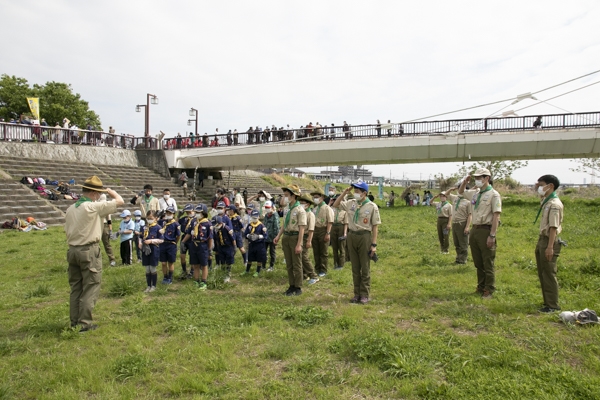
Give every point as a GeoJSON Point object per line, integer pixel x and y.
{"type": "Point", "coordinates": [548, 246]}
{"type": "Point", "coordinates": [146, 201]}
{"type": "Point", "coordinates": [294, 225]}
{"type": "Point", "coordinates": [444, 220]}
{"type": "Point", "coordinates": [363, 224]}
{"type": "Point", "coordinates": [487, 206]}
{"type": "Point", "coordinates": [322, 235]}
{"type": "Point", "coordinates": [462, 214]}
{"type": "Point", "coordinates": [83, 228]}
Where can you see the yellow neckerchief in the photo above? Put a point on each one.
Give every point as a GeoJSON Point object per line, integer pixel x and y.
{"type": "Point", "coordinates": [221, 241]}
{"type": "Point", "coordinates": [254, 226]}
{"type": "Point", "coordinates": [197, 225]}
{"type": "Point", "coordinates": [148, 230]}
{"type": "Point", "coordinates": [189, 222]}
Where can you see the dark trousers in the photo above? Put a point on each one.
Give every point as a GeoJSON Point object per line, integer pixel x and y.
{"type": "Point", "coordinates": [126, 251]}
{"type": "Point", "coordinates": [484, 258]}
{"type": "Point", "coordinates": [293, 261]}
{"type": "Point", "coordinates": [308, 270]}
{"type": "Point", "coordinates": [338, 246]}
{"type": "Point", "coordinates": [547, 271]}
{"type": "Point", "coordinates": [359, 245]}
{"type": "Point", "coordinates": [270, 247]}
{"type": "Point", "coordinates": [85, 276]}
{"type": "Point", "coordinates": [461, 241]}
{"type": "Point", "coordinates": [320, 250]}
{"type": "Point", "coordinates": [138, 251]}
{"type": "Point", "coordinates": [442, 223]}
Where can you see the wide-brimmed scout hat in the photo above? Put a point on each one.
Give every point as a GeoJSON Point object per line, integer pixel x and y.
{"type": "Point", "coordinates": [293, 189]}
{"type": "Point", "coordinates": [482, 172]}
{"type": "Point", "coordinates": [267, 194]}
{"type": "Point", "coordinates": [93, 183]}
{"type": "Point", "coordinates": [305, 197]}
{"type": "Point", "coordinates": [443, 194]}
{"type": "Point", "coordinates": [318, 192]}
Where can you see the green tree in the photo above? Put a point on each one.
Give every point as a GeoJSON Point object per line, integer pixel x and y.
{"type": "Point", "coordinates": [57, 101]}
{"type": "Point", "coordinates": [589, 166]}
{"type": "Point", "coordinates": [500, 170]}
{"type": "Point", "coordinates": [13, 96]}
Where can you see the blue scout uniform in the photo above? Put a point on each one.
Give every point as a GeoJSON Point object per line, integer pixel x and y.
{"type": "Point", "coordinates": [151, 231]}
{"type": "Point", "coordinates": [238, 227]}
{"type": "Point", "coordinates": [224, 243]}
{"type": "Point", "coordinates": [171, 233]}
{"type": "Point", "coordinates": [201, 231]}
{"type": "Point", "coordinates": [256, 249]}
{"type": "Point", "coordinates": [184, 223]}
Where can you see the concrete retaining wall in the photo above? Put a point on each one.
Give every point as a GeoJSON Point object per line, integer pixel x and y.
{"type": "Point", "coordinates": [154, 160]}
{"type": "Point", "coordinates": [73, 152]}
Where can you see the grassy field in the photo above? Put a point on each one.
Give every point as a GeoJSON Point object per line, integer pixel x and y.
{"type": "Point", "coordinates": [423, 335]}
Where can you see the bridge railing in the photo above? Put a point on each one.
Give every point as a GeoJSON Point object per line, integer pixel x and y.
{"type": "Point", "coordinates": [12, 132]}
{"type": "Point", "coordinates": [420, 128]}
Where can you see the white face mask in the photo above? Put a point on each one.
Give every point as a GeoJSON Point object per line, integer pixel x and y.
{"type": "Point", "coordinates": [317, 200]}
{"type": "Point", "coordinates": [191, 215]}
{"type": "Point", "coordinates": [220, 211]}
{"type": "Point", "coordinates": [541, 190]}
{"type": "Point", "coordinates": [150, 221]}
{"type": "Point", "coordinates": [254, 219]}
{"type": "Point", "coordinates": [261, 199]}
{"type": "Point", "coordinates": [138, 218]}
{"type": "Point", "coordinates": [357, 196]}
{"type": "Point", "coordinates": [168, 217]}
{"type": "Point", "coordinates": [479, 183]}
{"type": "Point", "coordinates": [331, 194]}
{"type": "Point", "coordinates": [286, 200]}
{"type": "Point", "coordinates": [167, 196]}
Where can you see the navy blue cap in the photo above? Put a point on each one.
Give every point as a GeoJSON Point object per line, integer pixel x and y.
{"type": "Point", "coordinates": [170, 209]}
{"type": "Point", "coordinates": [232, 208]}
{"type": "Point", "coordinates": [255, 214]}
{"type": "Point", "coordinates": [221, 204]}
{"type": "Point", "coordinates": [218, 219]}
{"type": "Point", "coordinates": [188, 207]}
{"type": "Point", "coordinates": [201, 208]}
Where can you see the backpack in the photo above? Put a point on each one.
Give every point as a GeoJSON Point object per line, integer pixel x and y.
{"type": "Point", "coordinates": [26, 180]}
{"type": "Point", "coordinates": [41, 181]}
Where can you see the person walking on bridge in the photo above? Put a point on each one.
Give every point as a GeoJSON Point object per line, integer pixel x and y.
{"type": "Point", "coordinates": [487, 206]}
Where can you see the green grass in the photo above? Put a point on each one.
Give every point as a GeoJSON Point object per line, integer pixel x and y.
{"type": "Point", "coordinates": [424, 334]}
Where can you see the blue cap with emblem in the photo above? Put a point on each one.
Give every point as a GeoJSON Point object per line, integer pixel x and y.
{"type": "Point", "coordinates": [221, 204]}
{"type": "Point", "coordinates": [170, 209]}
{"type": "Point", "coordinates": [360, 185]}
{"type": "Point", "coordinates": [255, 214]}
{"type": "Point", "coordinates": [188, 207]}
{"type": "Point", "coordinates": [218, 219]}
{"type": "Point", "coordinates": [201, 208]}
{"type": "Point", "coordinates": [137, 213]}
{"type": "Point", "coordinates": [232, 208]}
{"type": "Point", "coordinates": [125, 213]}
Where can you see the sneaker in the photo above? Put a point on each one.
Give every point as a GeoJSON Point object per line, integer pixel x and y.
{"type": "Point", "coordinates": [164, 281]}
{"type": "Point", "coordinates": [113, 263]}
{"type": "Point", "coordinates": [139, 261]}
{"type": "Point", "coordinates": [256, 274]}
{"type": "Point", "coordinates": [459, 262]}
{"type": "Point", "coordinates": [486, 294]}
{"type": "Point", "coordinates": [364, 300]}
{"type": "Point", "coordinates": [322, 274]}
{"type": "Point", "coordinates": [355, 299]}
{"type": "Point", "coordinates": [445, 252]}
{"type": "Point", "coordinates": [88, 328]}
{"type": "Point", "coordinates": [147, 289]}
{"type": "Point", "coordinates": [270, 269]}
{"type": "Point", "coordinates": [338, 267]}
{"type": "Point", "coordinates": [478, 291]}
{"type": "Point", "coordinates": [313, 281]}
{"type": "Point", "coordinates": [183, 277]}
{"type": "Point", "coordinates": [190, 275]}
{"type": "Point", "coordinates": [297, 292]}
{"type": "Point", "coordinates": [226, 279]}
{"type": "Point", "coordinates": [169, 281]}
{"type": "Point", "coordinates": [245, 273]}
{"type": "Point", "coordinates": [307, 278]}
{"type": "Point", "coordinates": [547, 310]}
{"type": "Point", "coordinates": [202, 286]}
{"type": "Point", "coordinates": [289, 291]}
{"type": "Point", "coordinates": [152, 289]}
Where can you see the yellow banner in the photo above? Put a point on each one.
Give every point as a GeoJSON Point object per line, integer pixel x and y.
{"type": "Point", "coordinates": [34, 106]}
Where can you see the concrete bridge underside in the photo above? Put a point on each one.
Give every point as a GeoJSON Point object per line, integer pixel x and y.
{"type": "Point", "coordinates": [519, 145]}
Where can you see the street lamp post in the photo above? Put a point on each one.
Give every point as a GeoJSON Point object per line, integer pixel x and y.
{"type": "Point", "coordinates": [194, 112]}
{"type": "Point", "coordinates": [150, 99]}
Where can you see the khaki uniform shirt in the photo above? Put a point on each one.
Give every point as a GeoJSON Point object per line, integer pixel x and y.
{"type": "Point", "coordinates": [83, 224]}
{"type": "Point", "coordinates": [239, 201]}
{"type": "Point", "coordinates": [464, 209]}
{"type": "Point", "coordinates": [552, 216]}
{"type": "Point", "coordinates": [339, 216]}
{"type": "Point", "coordinates": [489, 203]}
{"type": "Point", "coordinates": [361, 218]}
{"type": "Point", "coordinates": [443, 211]}
{"type": "Point", "coordinates": [150, 205]}
{"type": "Point", "coordinates": [323, 216]}
{"type": "Point", "coordinates": [310, 222]}
{"type": "Point", "coordinates": [297, 219]}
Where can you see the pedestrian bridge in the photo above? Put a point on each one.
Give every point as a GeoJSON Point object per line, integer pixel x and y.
{"type": "Point", "coordinates": [515, 138]}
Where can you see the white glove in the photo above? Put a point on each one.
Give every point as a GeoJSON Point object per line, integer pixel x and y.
{"type": "Point", "coordinates": [261, 237]}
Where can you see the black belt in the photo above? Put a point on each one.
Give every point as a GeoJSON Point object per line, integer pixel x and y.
{"type": "Point", "coordinates": [170, 241]}
{"type": "Point", "coordinates": [488, 227]}
{"type": "Point", "coordinates": [83, 245]}
{"type": "Point", "coordinates": [361, 232]}
{"type": "Point", "coordinates": [337, 224]}
{"type": "Point", "coordinates": [290, 233]}
{"type": "Point", "coordinates": [443, 217]}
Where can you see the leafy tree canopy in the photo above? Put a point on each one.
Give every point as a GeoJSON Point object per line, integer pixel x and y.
{"type": "Point", "coordinates": [57, 101]}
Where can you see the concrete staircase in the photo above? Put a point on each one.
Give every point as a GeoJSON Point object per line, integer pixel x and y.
{"type": "Point", "coordinates": [251, 183]}
{"type": "Point", "coordinates": [16, 200]}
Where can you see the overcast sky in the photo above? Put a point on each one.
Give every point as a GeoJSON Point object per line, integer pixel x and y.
{"type": "Point", "coordinates": [243, 63]}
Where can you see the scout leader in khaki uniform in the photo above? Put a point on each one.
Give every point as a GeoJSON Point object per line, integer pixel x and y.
{"type": "Point", "coordinates": [308, 271]}
{"type": "Point", "coordinates": [146, 202]}
{"type": "Point", "coordinates": [487, 206]}
{"type": "Point", "coordinates": [322, 236]}
{"type": "Point", "coordinates": [294, 224]}
{"type": "Point", "coordinates": [363, 222]}
{"type": "Point", "coordinates": [444, 220]}
{"type": "Point", "coordinates": [462, 214]}
{"type": "Point", "coordinates": [548, 245]}
{"type": "Point", "coordinates": [83, 227]}
{"type": "Point", "coordinates": [339, 230]}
